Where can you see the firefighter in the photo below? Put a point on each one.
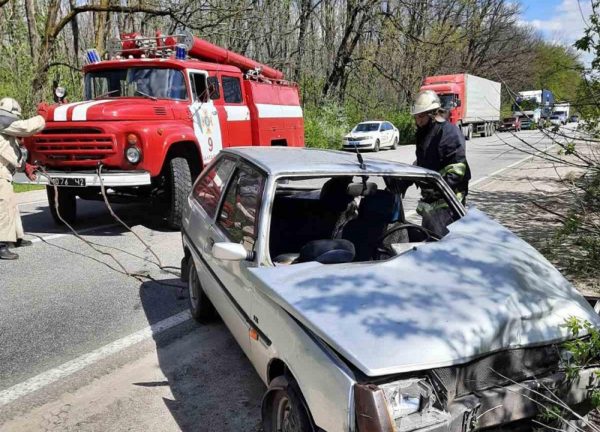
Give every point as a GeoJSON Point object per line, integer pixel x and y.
{"type": "Point", "coordinates": [13, 158]}
{"type": "Point", "coordinates": [441, 148]}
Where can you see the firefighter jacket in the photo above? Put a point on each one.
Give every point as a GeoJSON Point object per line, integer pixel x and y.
{"type": "Point", "coordinates": [441, 148]}
{"type": "Point", "coordinates": [10, 153]}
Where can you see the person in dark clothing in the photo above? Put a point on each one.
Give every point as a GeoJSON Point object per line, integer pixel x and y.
{"type": "Point", "coordinates": [441, 148]}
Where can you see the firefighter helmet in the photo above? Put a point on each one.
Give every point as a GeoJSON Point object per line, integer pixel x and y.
{"type": "Point", "coordinates": [11, 106]}
{"type": "Point", "coordinates": [427, 100]}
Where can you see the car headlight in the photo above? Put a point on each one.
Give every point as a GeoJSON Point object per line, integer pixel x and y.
{"type": "Point", "coordinates": [406, 397]}
{"type": "Point", "coordinates": [399, 406]}
{"type": "Point", "coordinates": [133, 154]}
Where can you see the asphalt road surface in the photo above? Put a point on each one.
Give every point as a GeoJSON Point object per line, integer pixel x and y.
{"type": "Point", "coordinates": [65, 305]}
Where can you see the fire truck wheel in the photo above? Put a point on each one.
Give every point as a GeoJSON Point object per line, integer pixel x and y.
{"type": "Point", "coordinates": [179, 186]}
{"type": "Point", "coordinates": [67, 205]}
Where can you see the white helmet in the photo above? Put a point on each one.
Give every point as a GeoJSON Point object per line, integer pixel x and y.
{"type": "Point", "coordinates": [427, 100]}
{"type": "Point", "coordinates": [11, 106]}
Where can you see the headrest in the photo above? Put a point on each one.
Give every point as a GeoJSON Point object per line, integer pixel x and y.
{"type": "Point", "coordinates": [334, 193]}
{"type": "Point", "coordinates": [382, 206]}
{"type": "Point", "coordinates": [361, 189]}
{"type": "Point", "coordinates": [327, 251]}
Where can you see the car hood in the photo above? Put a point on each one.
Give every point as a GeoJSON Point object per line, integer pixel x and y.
{"type": "Point", "coordinates": [480, 289]}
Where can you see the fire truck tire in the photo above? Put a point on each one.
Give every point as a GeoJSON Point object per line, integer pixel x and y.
{"type": "Point", "coordinates": [67, 205]}
{"type": "Point", "coordinates": [180, 184]}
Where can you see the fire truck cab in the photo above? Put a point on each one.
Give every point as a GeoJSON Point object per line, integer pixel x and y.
{"type": "Point", "coordinates": [151, 121]}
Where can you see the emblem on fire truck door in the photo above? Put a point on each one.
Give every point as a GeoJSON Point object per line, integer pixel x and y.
{"type": "Point", "coordinates": [207, 129]}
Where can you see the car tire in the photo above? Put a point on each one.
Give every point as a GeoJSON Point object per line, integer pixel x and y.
{"type": "Point", "coordinates": [469, 133]}
{"type": "Point", "coordinates": [179, 185]}
{"type": "Point", "coordinates": [395, 145]}
{"type": "Point", "coordinates": [376, 146]}
{"type": "Point", "coordinates": [67, 205]}
{"type": "Point", "coordinates": [284, 408]}
{"type": "Point", "coordinates": [200, 305]}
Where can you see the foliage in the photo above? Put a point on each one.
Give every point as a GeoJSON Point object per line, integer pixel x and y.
{"type": "Point", "coordinates": [557, 68]}
{"type": "Point", "coordinates": [26, 187]}
{"type": "Point", "coordinates": [326, 125]}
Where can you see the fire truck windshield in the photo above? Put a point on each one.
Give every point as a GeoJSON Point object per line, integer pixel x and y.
{"type": "Point", "coordinates": [136, 82]}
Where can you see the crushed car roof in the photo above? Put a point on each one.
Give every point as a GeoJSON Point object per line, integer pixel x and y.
{"type": "Point", "coordinates": [305, 161]}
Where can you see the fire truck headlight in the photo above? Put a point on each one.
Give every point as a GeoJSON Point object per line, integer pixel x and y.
{"type": "Point", "coordinates": [133, 154]}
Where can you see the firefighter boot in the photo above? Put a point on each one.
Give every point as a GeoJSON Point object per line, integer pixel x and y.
{"type": "Point", "coordinates": [22, 243]}
{"type": "Point", "coordinates": [6, 254]}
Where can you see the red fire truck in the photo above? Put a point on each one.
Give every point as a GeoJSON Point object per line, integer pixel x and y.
{"type": "Point", "coordinates": [155, 112]}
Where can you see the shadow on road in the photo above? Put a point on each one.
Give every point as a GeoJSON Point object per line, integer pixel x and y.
{"type": "Point", "coordinates": [213, 385]}
{"type": "Point", "coordinates": [91, 214]}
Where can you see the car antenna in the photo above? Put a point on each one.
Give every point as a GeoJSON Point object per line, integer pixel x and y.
{"type": "Point", "coordinates": [361, 162]}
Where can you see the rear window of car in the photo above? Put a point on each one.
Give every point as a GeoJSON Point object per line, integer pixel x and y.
{"type": "Point", "coordinates": [209, 187]}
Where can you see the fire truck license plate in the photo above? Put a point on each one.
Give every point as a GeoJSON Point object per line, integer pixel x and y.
{"type": "Point", "coordinates": [69, 181]}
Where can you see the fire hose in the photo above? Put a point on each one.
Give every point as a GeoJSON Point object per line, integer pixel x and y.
{"type": "Point", "coordinates": [140, 277]}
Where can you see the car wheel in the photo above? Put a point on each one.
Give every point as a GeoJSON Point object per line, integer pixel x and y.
{"type": "Point", "coordinates": [179, 184]}
{"type": "Point", "coordinates": [67, 205]}
{"type": "Point", "coordinates": [201, 308]}
{"type": "Point", "coordinates": [284, 410]}
{"type": "Point", "coordinates": [376, 147]}
{"type": "Point", "coordinates": [395, 145]}
{"type": "Point", "coordinates": [469, 133]}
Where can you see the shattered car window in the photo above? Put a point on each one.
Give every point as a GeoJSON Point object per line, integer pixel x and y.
{"type": "Point", "coordinates": [238, 216]}
{"type": "Point", "coordinates": [208, 188]}
{"type": "Point", "coordinates": [380, 215]}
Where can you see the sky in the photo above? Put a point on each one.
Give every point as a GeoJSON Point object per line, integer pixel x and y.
{"type": "Point", "coordinates": [559, 21]}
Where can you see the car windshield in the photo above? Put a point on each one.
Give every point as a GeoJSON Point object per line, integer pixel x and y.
{"type": "Point", "coordinates": [385, 219]}
{"type": "Point", "coordinates": [554, 117]}
{"type": "Point", "coordinates": [136, 82]}
{"type": "Point", "coordinates": [366, 127]}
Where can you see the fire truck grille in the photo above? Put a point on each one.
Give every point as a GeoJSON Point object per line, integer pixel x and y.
{"type": "Point", "coordinates": [77, 144]}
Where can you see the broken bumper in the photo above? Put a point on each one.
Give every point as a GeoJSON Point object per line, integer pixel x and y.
{"type": "Point", "coordinates": [91, 178]}
{"type": "Point", "coordinates": [492, 409]}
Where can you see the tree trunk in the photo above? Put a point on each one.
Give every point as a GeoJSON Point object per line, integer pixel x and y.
{"type": "Point", "coordinates": [34, 37]}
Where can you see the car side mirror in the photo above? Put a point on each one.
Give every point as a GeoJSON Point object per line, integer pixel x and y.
{"type": "Point", "coordinates": [458, 103]}
{"type": "Point", "coordinates": [228, 251]}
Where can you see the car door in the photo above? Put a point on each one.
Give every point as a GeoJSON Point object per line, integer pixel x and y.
{"type": "Point", "coordinates": [237, 112]}
{"type": "Point", "coordinates": [385, 134]}
{"type": "Point", "coordinates": [237, 222]}
{"type": "Point", "coordinates": [205, 116]}
{"type": "Point", "coordinates": [206, 195]}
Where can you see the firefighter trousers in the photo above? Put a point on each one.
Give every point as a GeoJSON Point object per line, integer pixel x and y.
{"type": "Point", "coordinates": [437, 220]}
{"type": "Point", "coordinates": [11, 227]}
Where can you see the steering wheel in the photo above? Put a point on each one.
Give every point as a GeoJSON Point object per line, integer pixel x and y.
{"type": "Point", "coordinates": [383, 249]}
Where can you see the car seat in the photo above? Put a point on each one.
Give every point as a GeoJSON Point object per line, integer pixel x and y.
{"type": "Point", "coordinates": [375, 214]}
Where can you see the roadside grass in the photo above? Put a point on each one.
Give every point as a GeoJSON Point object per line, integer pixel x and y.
{"type": "Point", "coordinates": [575, 246]}
{"type": "Point", "coordinates": [18, 188]}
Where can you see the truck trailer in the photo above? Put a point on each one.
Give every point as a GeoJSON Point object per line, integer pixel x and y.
{"type": "Point", "coordinates": [155, 113]}
{"type": "Point", "coordinates": [473, 102]}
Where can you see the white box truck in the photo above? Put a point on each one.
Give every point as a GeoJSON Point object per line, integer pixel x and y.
{"type": "Point", "coordinates": [473, 102]}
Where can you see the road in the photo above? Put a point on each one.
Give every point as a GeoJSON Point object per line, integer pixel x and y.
{"type": "Point", "coordinates": [67, 309]}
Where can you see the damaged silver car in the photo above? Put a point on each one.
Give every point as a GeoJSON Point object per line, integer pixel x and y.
{"type": "Point", "coordinates": [356, 316]}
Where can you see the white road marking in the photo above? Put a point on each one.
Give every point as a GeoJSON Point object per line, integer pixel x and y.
{"type": "Point", "coordinates": [59, 235]}
{"type": "Point", "coordinates": [42, 380]}
{"type": "Point", "coordinates": [512, 165]}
